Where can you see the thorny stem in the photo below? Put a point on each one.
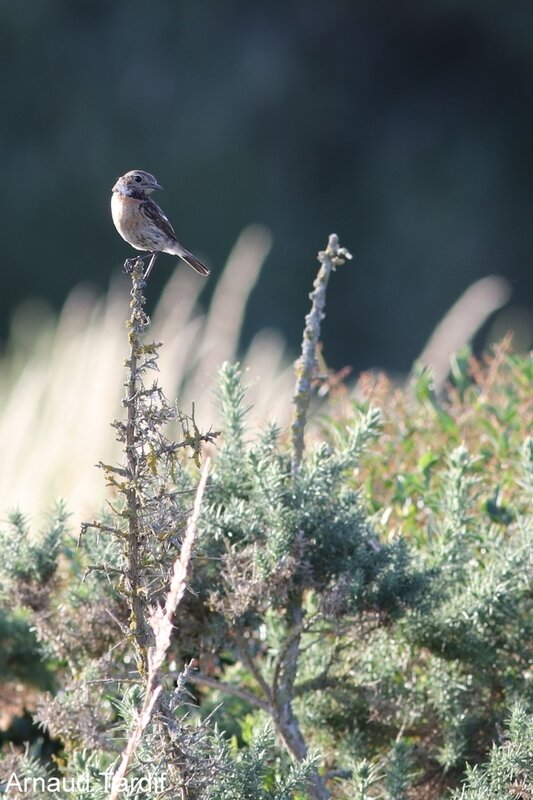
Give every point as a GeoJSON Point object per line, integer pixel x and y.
{"type": "Point", "coordinates": [149, 521]}
{"type": "Point", "coordinates": [138, 323]}
{"type": "Point", "coordinates": [329, 258]}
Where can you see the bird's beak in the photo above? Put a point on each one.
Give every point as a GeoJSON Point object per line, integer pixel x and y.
{"type": "Point", "coordinates": [157, 186]}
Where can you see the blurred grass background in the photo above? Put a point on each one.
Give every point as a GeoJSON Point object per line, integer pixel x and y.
{"type": "Point", "coordinates": [404, 127]}
{"type": "Point", "coordinates": [61, 378]}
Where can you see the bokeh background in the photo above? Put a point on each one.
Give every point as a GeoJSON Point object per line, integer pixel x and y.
{"type": "Point", "coordinates": [407, 128]}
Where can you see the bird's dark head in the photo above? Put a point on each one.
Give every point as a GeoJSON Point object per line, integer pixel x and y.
{"type": "Point", "coordinates": [137, 181]}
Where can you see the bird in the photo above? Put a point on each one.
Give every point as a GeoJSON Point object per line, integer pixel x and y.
{"type": "Point", "coordinates": [143, 224]}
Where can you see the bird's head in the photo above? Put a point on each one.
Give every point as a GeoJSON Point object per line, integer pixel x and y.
{"type": "Point", "coordinates": [137, 180]}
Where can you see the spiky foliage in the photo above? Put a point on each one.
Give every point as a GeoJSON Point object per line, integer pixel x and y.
{"type": "Point", "coordinates": [409, 651]}
{"type": "Point", "coordinates": [28, 575]}
{"type": "Point", "coordinates": [288, 567]}
{"type": "Point", "coordinates": [149, 514]}
{"type": "Point", "coordinates": [367, 595]}
{"type": "Point", "coordinates": [508, 772]}
{"type": "Point", "coordinates": [307, 533]}
{"type": "Point", "coordinates": [458, 482]}
{"type": "Point", "coordinates": [258, 773]}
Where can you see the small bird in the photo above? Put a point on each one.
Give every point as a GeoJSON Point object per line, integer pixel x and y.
{"type": "Point", "coordinates": [142, 223]}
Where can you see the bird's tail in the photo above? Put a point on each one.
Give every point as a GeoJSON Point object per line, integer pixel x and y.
{"type": "Point", "coordinates": [191, 260]}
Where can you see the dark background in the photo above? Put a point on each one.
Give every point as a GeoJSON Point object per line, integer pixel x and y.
{"type": "Point", "coordinates": [406, 127]}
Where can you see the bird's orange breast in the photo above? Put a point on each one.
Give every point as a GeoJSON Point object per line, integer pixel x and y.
{"type": "Point", "coordinates": [124, 210]}
{"type": "Point", "coordinates": [128, 218]}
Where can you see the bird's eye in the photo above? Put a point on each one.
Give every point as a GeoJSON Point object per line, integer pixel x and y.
{"type": "Point", "coordinates": [138, 178]}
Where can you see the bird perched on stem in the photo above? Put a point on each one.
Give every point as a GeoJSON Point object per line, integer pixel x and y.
{"type": "Point", "coordinates": [143, 224]}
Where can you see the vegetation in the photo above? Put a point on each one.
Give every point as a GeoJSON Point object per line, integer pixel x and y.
{"type": "Point", "coordinates": [351, 603]}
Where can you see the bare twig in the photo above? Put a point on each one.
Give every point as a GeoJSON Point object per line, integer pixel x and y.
{"type": "Point", "coordinates": [227, 688]}
{"type": "Point", "coordinates": [142, 721]}
{"type": "Point", "coordinates": [161, 620]}
{"type": "Point", "coordinates": [329, 258]}
{"type": "Point", "coordinates": [101, 568]}
{"type": "Point", "coordinates": [248, 659]}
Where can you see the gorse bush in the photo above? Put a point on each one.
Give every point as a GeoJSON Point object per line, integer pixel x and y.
{"type": "Point", "coordinates": [351, 608]}
{"type": "Point", "coordinates": [509, 770]}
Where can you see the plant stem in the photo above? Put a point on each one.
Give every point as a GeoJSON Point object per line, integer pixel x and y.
{"type": "Point", "coordinates": [227, 688]}
{"type": "Point", "coordinates": [286, 723]}
{"type": "Point", "coordinates": [138, 323]}
{"type": "Point", "coordinates": [306, 364]}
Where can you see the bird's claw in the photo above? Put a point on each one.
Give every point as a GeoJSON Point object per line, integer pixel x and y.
{"type": "Point", "coordinates": [128, 265]}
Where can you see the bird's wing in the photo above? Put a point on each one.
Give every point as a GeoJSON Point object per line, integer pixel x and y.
{"type": "Point", "coordinates": [156, 215]}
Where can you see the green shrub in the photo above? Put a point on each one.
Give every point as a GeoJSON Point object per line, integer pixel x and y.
{"type": "Point", "coordinates": [352, 618]}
